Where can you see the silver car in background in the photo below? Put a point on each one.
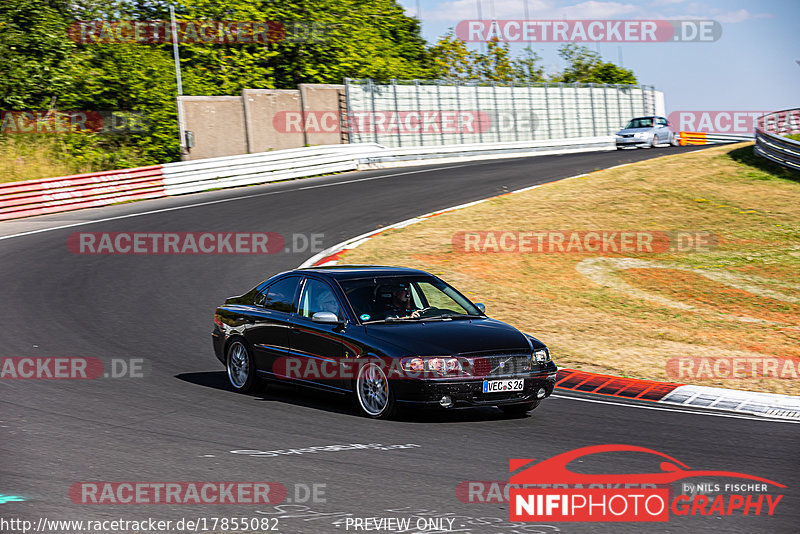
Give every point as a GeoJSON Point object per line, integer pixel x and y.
{"type": "Point", "coordinates": [646, 132]}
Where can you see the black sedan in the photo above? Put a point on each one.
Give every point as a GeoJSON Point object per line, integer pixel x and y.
{"type": "Point", "coordinates": [390, 336]}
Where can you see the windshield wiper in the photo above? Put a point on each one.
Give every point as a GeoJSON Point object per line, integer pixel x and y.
{"type": "Point", "coordinates": [391, 320]}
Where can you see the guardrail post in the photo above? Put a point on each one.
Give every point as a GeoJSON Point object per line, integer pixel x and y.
{"type": "Point", "coordinates": [478, 105]}
{"type": "Point", "coordinates": [419, 112]}
{"type": "Point", "coordinates": [458, 107]}
{"type": "Point", "coordinates": [605, 108]}
{"type": "Point", "coordinates": [348, 118]}
{"type": "Point", "coordinates": [439, 107]}
{"type": "Point", "coordinates": [496, 110]}
{"type": "Point", "coordinates": [547, 111]}
{"type": "Point", "coordinates": [397, 114]}
{"type": "Point", "coordinates": [591, 103]}
{"type": "Point", "coordinates": [511, 89]}
{"type": "Point", "coordinates": [371, 89]}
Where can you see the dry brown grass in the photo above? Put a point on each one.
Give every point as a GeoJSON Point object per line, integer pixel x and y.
{"type": "Point", "coordinates": [754, 214]}
{"type": "Point", "coordinates": [40, 158]}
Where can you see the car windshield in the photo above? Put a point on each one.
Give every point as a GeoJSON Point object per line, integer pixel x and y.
{"type": "Point", "coordinates": [642, 122]}
{"type": "Point", "coordinates": [406, 298]}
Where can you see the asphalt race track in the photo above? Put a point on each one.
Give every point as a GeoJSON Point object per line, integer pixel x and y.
{"type": "Point", "coordinates": [180, 421]}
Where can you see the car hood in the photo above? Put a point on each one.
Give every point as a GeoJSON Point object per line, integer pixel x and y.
{"type": "Point", "coordinates": [440, 338]}
{"type": "Point", "coordinates": [634, 130]}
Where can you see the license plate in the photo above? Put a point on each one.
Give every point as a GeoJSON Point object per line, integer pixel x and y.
{"type": "Point", "coordinates": [500, 386]}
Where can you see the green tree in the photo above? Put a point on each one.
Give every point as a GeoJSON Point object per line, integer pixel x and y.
{"type": "Point", "coordinates": [586, 66]}
{"type": "Point", "coordinates": [452, 60]}
{"type": "Point", "coordinates": [496, 65]}
{"type": "Point", "coordinates": [36, 58]}
{"type": "Point", "coordinates": [527, 67]}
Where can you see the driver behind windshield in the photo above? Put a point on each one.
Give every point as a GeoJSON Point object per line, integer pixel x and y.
{"type": "Point", "coordinates": [397, 302]}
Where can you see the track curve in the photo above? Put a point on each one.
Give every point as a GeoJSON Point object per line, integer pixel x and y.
{"type": "Point", "coordinates": [180, 422]}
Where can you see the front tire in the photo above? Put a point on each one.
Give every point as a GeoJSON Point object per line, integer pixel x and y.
{"type": "Point", "coordinates": [240, 366]}
{"type": "Point", "coordinates": [519, 409]}
{"type": "Point", "coordinates": [374, 393]}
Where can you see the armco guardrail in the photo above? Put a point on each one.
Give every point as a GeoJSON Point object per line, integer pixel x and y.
{"type": "Point", "coordinates": [771, 142]}
{"type": "Point", "coordinates": [703, 138]}
{"type": "Point", "coordinates": [233, 171]}
{"type": "Point", "coordinates": [52, 195]}
{"type": "Point", "coordinates": [38, 197]}
{"type": "Point", "coordinates": [399, 157]}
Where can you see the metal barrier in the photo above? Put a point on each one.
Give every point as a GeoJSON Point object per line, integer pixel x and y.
{"type": "Point", "coordinates": [248, 169]}
{"type": "Point", "coordinates": [703, 138]}
{"type": "Point", "coordinates": [65, 193]}
{"type": "Point", "coordinates": [771, 140]}
{"type": "Point", "coordinates": [400, 157]}
{"type": "Point", "coordinates": [38, 197]}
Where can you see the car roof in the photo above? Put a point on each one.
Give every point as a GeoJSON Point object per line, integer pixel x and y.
{"type": "Point", "coordinates": [345, 272]}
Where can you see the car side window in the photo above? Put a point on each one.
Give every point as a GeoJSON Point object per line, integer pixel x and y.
{"type": "Point", "coordinates": [317, 296]}
{"type": "Point", "coordinates": [280, 295]}
{"type": "Point", "coordinates": [661, 121]}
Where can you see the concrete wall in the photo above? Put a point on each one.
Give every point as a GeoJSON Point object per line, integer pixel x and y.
{"type": "Point", "coordinates": [322, 98]}
{"type": "Point", "coordinates": [217, 123]}
{"type": "Point", "coordinates": [260, 120]}
{"type": "Point", "coordinates": [264, 109]}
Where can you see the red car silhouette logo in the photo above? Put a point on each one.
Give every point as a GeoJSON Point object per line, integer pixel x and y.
{"type": "Point", "coordinates": [554, 470]}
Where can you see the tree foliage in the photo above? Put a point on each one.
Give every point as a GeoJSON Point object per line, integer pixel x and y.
{"type": "Point", "coordinates": [454, 62]}
{"type": "Point", "coordinates": [325, 41]}
{"type": "Point", "coordinates": [586, 66]}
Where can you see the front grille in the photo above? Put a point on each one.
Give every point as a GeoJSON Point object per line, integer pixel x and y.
{"type": "Point", "coordinates": [503, 364]}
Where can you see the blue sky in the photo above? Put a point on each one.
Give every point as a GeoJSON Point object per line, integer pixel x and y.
{"type": "Point", "coordinates": [752, 67]}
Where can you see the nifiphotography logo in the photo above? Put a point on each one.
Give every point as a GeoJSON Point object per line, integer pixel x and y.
{"type": "Point", "coordinates": [610, 497]}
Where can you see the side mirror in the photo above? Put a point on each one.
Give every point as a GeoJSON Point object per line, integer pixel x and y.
{"type": "Point", "coordinates": [325, 317]}
{"type": "Point", "coordinates": [481, 307]}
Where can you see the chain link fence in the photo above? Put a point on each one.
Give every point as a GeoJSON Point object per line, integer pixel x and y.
{"type": "Point", "coordinates": [428, 113]}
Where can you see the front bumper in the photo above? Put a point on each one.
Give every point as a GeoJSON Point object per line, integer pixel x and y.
{"type": "Point", "coordinates": [632, 141]}
{"type": "Point", "coordinates": [469, 392]}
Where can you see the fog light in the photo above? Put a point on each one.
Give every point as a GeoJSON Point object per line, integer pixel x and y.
{"type": "Point", "coordinates": [541, 393]}
{"type": "Point", "coordinates": [446, 401]}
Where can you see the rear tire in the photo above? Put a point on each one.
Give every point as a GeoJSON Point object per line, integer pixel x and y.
{"type": "Point", "coordinates": [519, 409]}
{"type": "Point", "coordinates": [674, 140]}
{"type": "Point", "coordinates": [240, 366]}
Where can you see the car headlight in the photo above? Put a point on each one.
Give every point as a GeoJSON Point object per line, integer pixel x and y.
{"type": "Point", "coordinates": [640, 135]}
{"type": "Point", "coordinates": [437, 365]}
{"type": "Point", "coordinates": [540, 356]}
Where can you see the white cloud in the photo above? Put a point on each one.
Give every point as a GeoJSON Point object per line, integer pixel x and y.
{"type": "Point", "coordinates": [740, 16]}
{"type": "Point", "coordinates": [456, 10]}
{"type": "Point", "coordinates": [453, 11]}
